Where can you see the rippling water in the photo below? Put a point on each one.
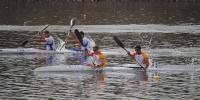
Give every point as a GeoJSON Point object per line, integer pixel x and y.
{"type": "Point", "coordinates": [167, 30]}
{"type": "Point", "coordinates": [18, 81]}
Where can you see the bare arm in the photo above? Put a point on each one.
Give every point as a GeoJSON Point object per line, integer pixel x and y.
{"type": "Point", "coordinates": [39, 39]}
{"type": "Point", "coordinates": [146, 63]}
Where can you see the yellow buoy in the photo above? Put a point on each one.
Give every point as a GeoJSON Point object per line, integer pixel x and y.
{"type": "Point", "coordinates": [156, 77]}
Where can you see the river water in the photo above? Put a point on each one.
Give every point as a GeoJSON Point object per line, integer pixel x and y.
{"type": "Point", "coordinates": [167, 30]}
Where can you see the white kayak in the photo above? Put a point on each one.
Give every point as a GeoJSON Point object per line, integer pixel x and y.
{"type": "Point", "coordinates": [124, 67]}
{"type": "Point", "coordinates": [77, 68]}
{"type": "Point", "coordinates": [39, 51]}
{"type": "Point", "coordinates": [29, 51]}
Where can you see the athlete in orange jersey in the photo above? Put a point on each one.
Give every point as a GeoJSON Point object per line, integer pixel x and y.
{"type": "Point", "coordinates": [141, 57]}
{"type": "Point", "coordinates": [97, 57]}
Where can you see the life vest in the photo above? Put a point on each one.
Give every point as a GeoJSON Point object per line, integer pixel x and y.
{"type": "Point", "coordinates": [98, 59]}
{"type": "Point", "coordinates": [140, 57]}
{"type": "Point", "coordinates": [50, 45]}
{"type": "Point", "coordinates": [87, 44]}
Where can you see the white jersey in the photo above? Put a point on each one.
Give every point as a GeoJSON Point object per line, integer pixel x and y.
{"type": "Point", "coordinates": [50, 43]}
{"type": "Point", "coordinates": [93, 60]}
{"type": "Point", "coordinates": [140, 59]}
{"type": "Point", "coordinates": [86, 44]}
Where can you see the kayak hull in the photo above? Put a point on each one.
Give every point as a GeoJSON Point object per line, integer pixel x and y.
{"type": "Point", "coordinates": [124, 67]}
{"type": "Point", "coordinates": [78, 68]}
{"type": "Point", "coordinates": [39, 51]}
{"type": "Point", "coordinates": [30, 51]}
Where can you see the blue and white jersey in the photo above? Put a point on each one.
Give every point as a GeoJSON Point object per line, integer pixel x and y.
{"type": "Point", "coordinates": [50, 44]}
{"type": "Point", "coordinates": [86, 44]}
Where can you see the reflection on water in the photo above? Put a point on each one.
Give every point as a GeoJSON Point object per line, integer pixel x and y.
{"type": "Point", "coordinates": [31, 12]}
{"type": "Point", "coordinates": [55, 59]}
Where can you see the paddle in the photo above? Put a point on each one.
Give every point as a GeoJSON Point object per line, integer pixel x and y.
{"type": "Point", "coordinates": [72, 23]}
{"type": "Point", "coordinates": [26, 41]}
{"type": "Point", "coordinates": [78, 35]}
{"type": "Point", "coordinates": [122, 46]}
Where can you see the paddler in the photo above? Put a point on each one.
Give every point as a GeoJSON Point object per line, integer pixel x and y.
{"type": "Point", "coordinates": [50, 42]}
{"type": "Point", "coordinates": [140, 56]}
{"type": "Point", "coordinates": [86, 43]}
{"type": "Point", "coordinates": [97, 58]}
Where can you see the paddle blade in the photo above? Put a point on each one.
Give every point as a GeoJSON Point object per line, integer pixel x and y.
{"type": "Point", "coordinates": [118, 42]}
{"type": "Point", "coordinates": [78, 35]}
{"type": "Point", "coordinates": [24, 43]}
{"type": "Point", "coordinates": [72, 22]}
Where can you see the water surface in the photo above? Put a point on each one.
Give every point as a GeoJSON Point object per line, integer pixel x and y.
{"type": "Point", "coordinates": [18, 80]}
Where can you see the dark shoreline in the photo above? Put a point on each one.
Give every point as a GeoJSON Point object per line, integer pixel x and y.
{"type": "Point", "coordinates": [59, 12]}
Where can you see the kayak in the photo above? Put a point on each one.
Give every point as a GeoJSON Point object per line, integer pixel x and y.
{"type": "Point", "coordinates": [31, 51]}
{"type": "Point", "coordinates": [168, 68]}
{"type": "Point", "coordinates": [123, 67]}
{"type": "Point", "coordinates": [77, 68]}
{"type": "Point", "coordinates": [39, 51]}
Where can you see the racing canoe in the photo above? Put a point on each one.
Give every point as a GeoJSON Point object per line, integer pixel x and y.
{"type": "Point", "coordinates": [29, 51]}
{"type": "Point", "coordinates": [39, 51]}
{"type": "Point", "coordinates": [124, 67]}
